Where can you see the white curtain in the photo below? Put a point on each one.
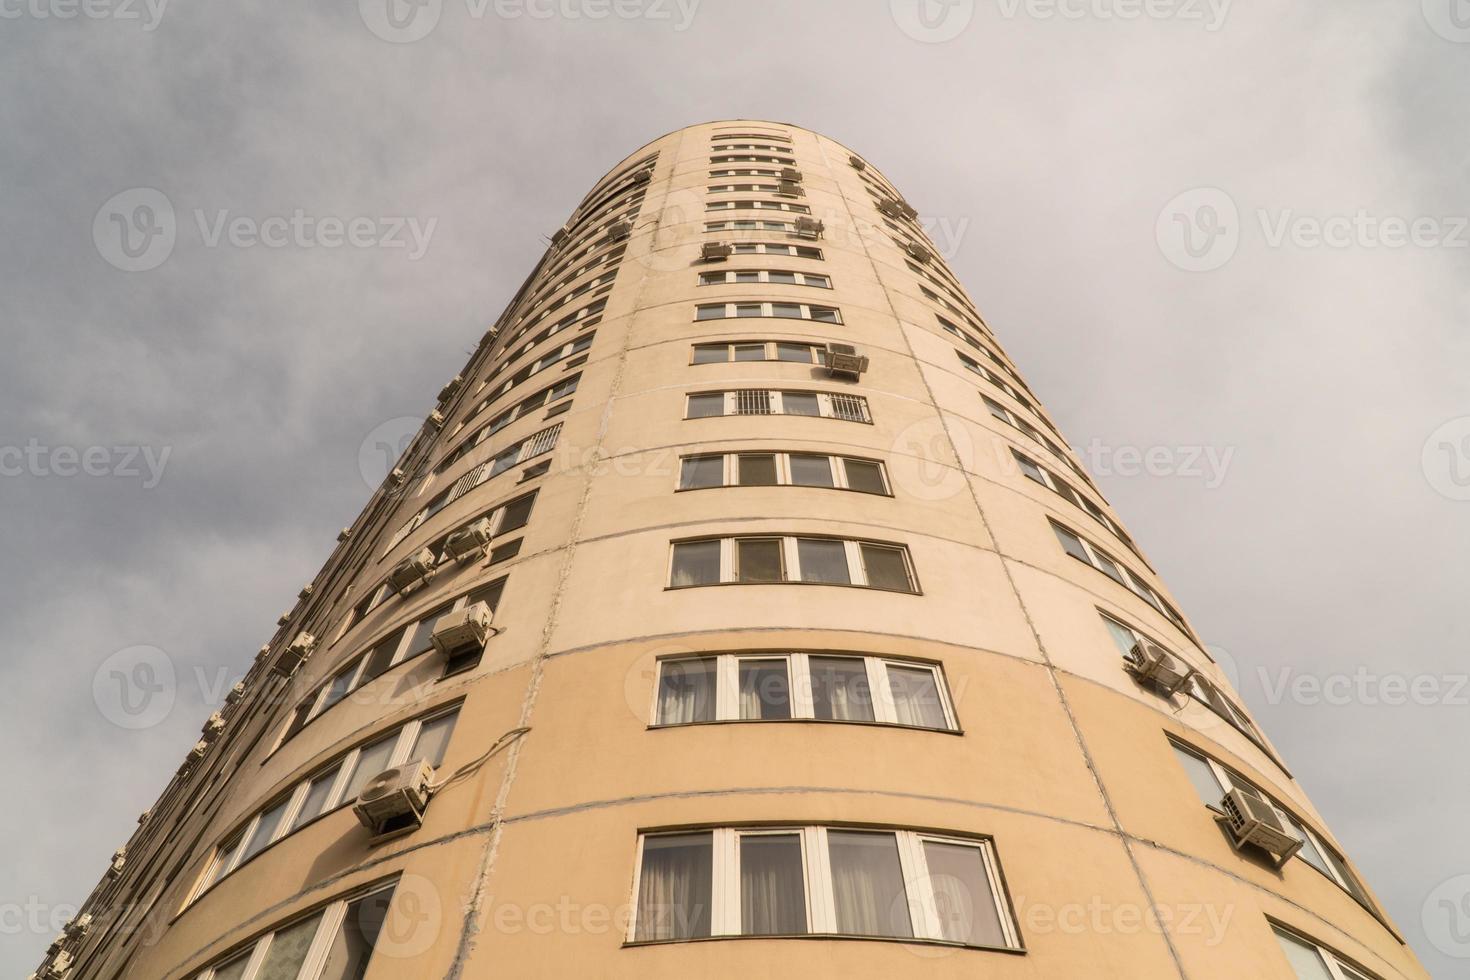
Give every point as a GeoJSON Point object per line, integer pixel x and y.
{"type": "Point", "coordinates": [686, 691]}
{"type": "Point", "coordinates": [288, 950]}
{"type": "Point", "coordinates": [867, 882]}
{"type": "Point", "coordinates": [674, 887]}
{"type": "Point", "coordinates": [840, 689]}
{"type": "Point", "coordinates": [962, 894]}
{"type": "Point", "coordinates": [772, 888]}
{"type": "Point", "coordinates": [916, 697]}
{"type": "Point", "coordinates": [765, 691]}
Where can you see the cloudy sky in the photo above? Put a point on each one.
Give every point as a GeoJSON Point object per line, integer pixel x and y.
{"type": "Point", "coordinates": [1227, 235]}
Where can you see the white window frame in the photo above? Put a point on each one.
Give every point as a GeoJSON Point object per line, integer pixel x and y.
{"type": "Point", "coordinates": [836, 463]}
{"type": "Point", "coordinates": [767, 312]}
{"type": "Point", "coordinates": [791, 561]}
{"type": "Point", "coordinates": [821, 904]}
{"type": "Point", "coordinates": [776, 404]}
{"type": "Point", "coordinates": [770, 352]}
{"type": "Point", "coordinates": [753, 225]}
{"type": "Point", "coordinates": [816, 280]}
{"type": "Point", "coordinates": [1336, 966]}
{"type": "Point", "coordinates": [785, 206]}
{"type": "Point", "coordinates": [799, 683]}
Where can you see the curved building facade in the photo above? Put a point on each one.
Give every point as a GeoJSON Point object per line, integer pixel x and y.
{"type": "Point", "coordinates": [814, 653]}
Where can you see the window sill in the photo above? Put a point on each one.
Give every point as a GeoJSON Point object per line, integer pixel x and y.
{"type": "Point", "coordinates": [829, 936]}
{"type": "Point", "coordinates": [805, 721]}
{"type": "Point", "coordinates": [840, 585]}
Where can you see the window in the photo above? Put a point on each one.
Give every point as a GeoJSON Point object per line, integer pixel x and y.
{"type": "Point", "coordinates": [757, 469]}
{"type": "Point", "coordinates": [700, 472]}
{"type": "Point", "coordinates": [823, 561]}
{"type": "Point", "coordinates": [818, 687]}
{"type": "Point", "coordinates": [799, 880]}
{"type": "Point", "coordinates": [811, 471]}
{"type": "Point", "coordinates": [758, 350]}
{"type": "Point", "coordinates": [334, 785]}
{"type": "Point", "coordinates": [762, 401]}
{"type": "Point", "coordinates": [784, 469]}
{"type": "Point", "coordinates": [345, 932]}
{"type": "Point", "coordinates": [780, 277]}
{"type": "Point", "coordinates": [749, 205]}
{"type": "Point", "coordinates": [1312, 962]}
{"type": "Point", "coordinates": [1212, 781]}
{"type": "Point", "coordinates": [1040, 474]}
{"type": "Point", "coordinates": [791, 311]}
{"type": "Point", "coordinates": [1090, 554]}
{"type": "Point", "coordinates": [776, 248]}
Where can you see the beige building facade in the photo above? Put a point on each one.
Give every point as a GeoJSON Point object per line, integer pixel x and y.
{"type": "Point", "coordinates": [814, 653]}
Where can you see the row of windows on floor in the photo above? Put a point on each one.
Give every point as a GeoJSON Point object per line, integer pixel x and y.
{"type": "Point", "coordinates": [765, 276]}
{"type": "Point", "coordinates": [547, 396]}
{"type": "Point", "coordinates": [756, 205]}
{"type": "Point", "coordinates": [800, 880]}
{"type": "Point", "coordinates": [607, 257]}
{"type": "Point", "coordinates": [790, 558]}
{"type": "Point", "coordinates": [1090, 554]}
{"type": "Point", "coordinates": [752, 158]}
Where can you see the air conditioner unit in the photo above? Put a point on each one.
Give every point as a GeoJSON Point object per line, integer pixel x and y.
{"type": "Point", "coordinates": [305, 593]}
{"type": "Point", "coordinates": [294, 655]}
{"type": "Point", "coordinates": [57, 943]}
{"type": "Point", "coordinates": [396, 476]}
{"type": "Point", "coordinates": [214, 725]}
{"type": "Point", "coordinates": [451, 389]}
{"type": "Point", "coordinates": [236, 693]}
{"type": "Point", "coordinates": [791, 173]}
{"type": "Point", "coordinates": [344, 534]}
{"type": "Point", "coordinates": [200, 749]}
{"type": "Point", "coordinates": [393, 802]}
{"type": "Point", "coordinates": [119, 859]}
{"type": "Point", "coordinates": [142, 819]}
{"type": "Point", "coordinates": [1254, 821]}
{"type": "Point", "coordinates": [80, 925]}
{"type": "Point", "coordinates": [436, 419]}
{"type": "Point", "coordinates": [469, 540]}
{"type": "Point", "coordinates": [908, 210]}
{"type": "Point", "coordinates": [716, 251]}
{"type": "Point", "coordinates": [412, 572]}
{"type": "Point", "coordinates": [559, 236]}
{"type": "Point", "coordinates": [857, 163]}
{"type": "Point", "coordinates": [809, 227]}
{"type": "Point", "coordinates": [642, 176]}
{"type": "Point", "coordinates": [843, 360]}
{"type": "Point", "coordinates": [284, 618]}
{"type": "Point", "coordinates": [1152, 664]}
{"type": "Point", "coordinates": [918, 252]}
{"type": "Point", "coordinates": [263, 652]}
{"type": "Point", "coordinates": [60, 966]}
{"type": "Point", "coordinates": [789, 188]}
{"type": "Point", "coordinates": [462, 628]}
{"type": "Point", "coordinates": [890, 208]}
{"type": "Point", "coordinates": [619, 230]}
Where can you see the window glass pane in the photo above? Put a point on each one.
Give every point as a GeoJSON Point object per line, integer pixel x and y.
{"type": "Point", "coordinates": [316, 797]}
{"type": "Point", "coordinates": [674, 887]}
{"type": "Point", "coordinates": [706, 405]}
{"type": "Point", "coordinates": [433, 739]}
{"type": "Point", "coordinates": [381, 655]}
{"type": "Point", "coordinates": [1071, 544]}
{"type": "Point", "coordinates": [750, 352]}
{"type": "Point", "coordinates": [698, 472]}
{"type": "Point", "coordinates": [711, 353]}
{"type": "Point", "coordinates": [824, 315]}
{"type": "Point", "coordinates": [886, 568]}
{"type": "Point", "coordinates": [997, 410]}
{"type": "Point", "coordinates": [1201, 775]}
{"type": "Point", "coordinates": [488, 594]}
{"type": "Point", "coordinates": [696, 563]}
{"type": "Point", "coordinates": [840, 689]}
{"type": "Point", "coordinates": [1107, 566]}
{"type": "Point", "coordinates": [916, 699]}
{"type": "Point", "coordinates": [686, 691]}
{"type": "Point", "coordinates": [748, 309]}
{"type": "Point", "coordinates": [772, 886]}
{"type": "Point", "coordinates": [1031, 469]}
{"type": "Point", "coordinates": [517, 512]}
{"type": "Point", "coordinates": [233, 970]}
{"type": "Point", "coordinates": [372, 760]}
{"type": "Point", "coordinates": [765, 690]}
{"type": "Point", "coordinates": [1306, 962]}
{"type": "Point", "coordinates": [784, 278]}
{"type": "Point", "coordinates": [757, 470]}
{"type": "Point", "coordinates": [339, 686]}
{"type": "Point", "coordinates": [288, 950]}
{"type": "Point", "coordinates": [352, 948]}
{"type": "Point", "coordinates": [792, 310]}
{"type": "Point", "coordinates": [1347, 875]}
{"type": "Point", "coordinates": [747, 277]}
{"type": "Point", "coordinates": [299, 719]}
{"type": "Point", "coordinates": [758, 560]}
{"type": "Point", "coordinates": [801, 353]}
{"type": "Point", "coordinates": [1122, 636]}
{"type": "Point", "coordinates": [226, 855]}
{"type": "Point", "coordinates": [1308, 851]}
{"type": "Point", "coordinates": [811, 471]}
{"type": "Point", "coordinates": [962, 894]}
{"type": "Point", "coordinates": [714, 312]}
{"type": "Point", "coordinates": [864, 475]}
{"type": "Point", "coordinates": [799, 403]}
{"type": "Point", "coordinates": [823, 560]}
{"type": "Point", "coordinates": [821, 281]}
{"type": "Point", "coordinates": [421, 641]}
{"type": "Point", "coordinates": [265, 829]}
{"type": "Point", "coordinates": [867, 884]}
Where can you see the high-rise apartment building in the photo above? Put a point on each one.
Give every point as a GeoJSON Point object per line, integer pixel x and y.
{"type": "Point", "coordinates": [737, 612]}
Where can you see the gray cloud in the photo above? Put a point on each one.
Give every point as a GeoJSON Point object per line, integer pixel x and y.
{"type": "Point", "coordinates": [1324, 547]}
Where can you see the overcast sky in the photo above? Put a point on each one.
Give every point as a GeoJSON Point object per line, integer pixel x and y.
{"type": "Point", "coordinates": [1288, 335]}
